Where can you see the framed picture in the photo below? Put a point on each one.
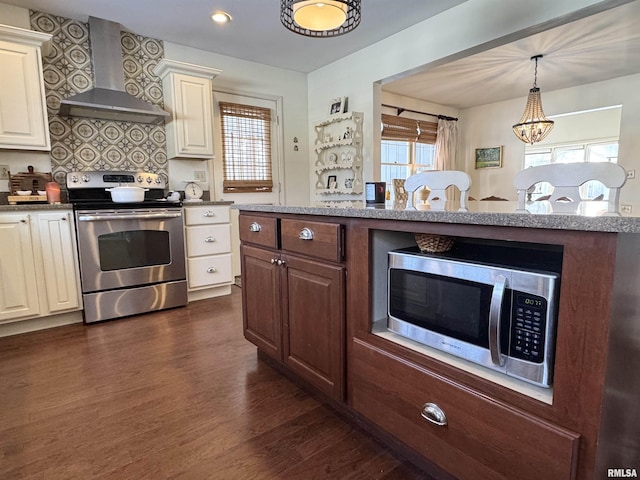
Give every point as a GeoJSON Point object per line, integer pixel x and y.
{"type": "Point", "coordinates": [489, 157]}
{"type": "Point", "coordinates": [332, 181]}
{"type": "Point", "coordinates": [338, 105]}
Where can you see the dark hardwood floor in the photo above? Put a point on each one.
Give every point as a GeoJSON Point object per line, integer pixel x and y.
{"type": "Point", "coordinates": [177, 394]}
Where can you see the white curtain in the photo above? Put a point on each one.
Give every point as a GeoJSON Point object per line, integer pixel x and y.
{"type": "Point", "coordinates": [445, 152]}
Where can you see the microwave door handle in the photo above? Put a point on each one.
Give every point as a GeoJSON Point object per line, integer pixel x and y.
{"type": "Point", "coordinates": [495, 314]}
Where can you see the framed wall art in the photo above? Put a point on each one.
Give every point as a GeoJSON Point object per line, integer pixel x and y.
{"type": "Point", "coordinates": [489, 157]}
{"type": "Point", "coordinates": [338, 106]}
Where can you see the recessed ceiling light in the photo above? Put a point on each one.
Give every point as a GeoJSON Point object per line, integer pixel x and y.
{"type": "Point", "coordinates": [220, 17]}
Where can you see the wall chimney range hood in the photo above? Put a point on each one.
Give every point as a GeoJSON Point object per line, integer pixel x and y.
{"type": "Point", "coordinates": [108, 100]}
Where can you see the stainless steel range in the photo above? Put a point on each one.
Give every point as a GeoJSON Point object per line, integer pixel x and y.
{"type": "Point", "coordinates": [131, 253]}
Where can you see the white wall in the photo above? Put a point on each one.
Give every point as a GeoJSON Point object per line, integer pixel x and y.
{"type": "Point", "coordinates": [489, 126]}
{"type": "Point", "coordinates": [460, 31]}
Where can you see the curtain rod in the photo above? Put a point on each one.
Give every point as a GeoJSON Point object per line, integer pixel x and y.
{"type": "Point", "coordinates": [400, 110]}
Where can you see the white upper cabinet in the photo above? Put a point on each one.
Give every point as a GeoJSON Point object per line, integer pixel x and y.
{"type": "Point", "coordinates": [188, 97]}
{"type": "Point", "coordinates": [23, 108]}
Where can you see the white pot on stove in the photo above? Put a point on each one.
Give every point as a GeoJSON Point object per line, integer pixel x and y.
{"type": "Point", "coordinates": [127, 194]}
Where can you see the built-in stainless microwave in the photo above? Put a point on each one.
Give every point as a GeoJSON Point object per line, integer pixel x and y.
{"type": "Point", "coordinates": [499, 316]}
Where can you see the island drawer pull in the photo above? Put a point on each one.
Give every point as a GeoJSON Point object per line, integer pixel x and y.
{"type": "Point", "coordinates": [209, 213]}
{"type": "Point", "coordinates": [306, 234]}
{"type": "Point", "coordinates": [434, 414]}
{"type": "Point", "coordinates": [209, 239]}
{"type": "Point", "coordinates": [255, 227]}
{"type": "Point", "coordinates": [211, 270]}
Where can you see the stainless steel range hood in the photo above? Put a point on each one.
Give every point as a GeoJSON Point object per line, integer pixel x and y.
{"type": "Point", "coordinates": [108, 100]}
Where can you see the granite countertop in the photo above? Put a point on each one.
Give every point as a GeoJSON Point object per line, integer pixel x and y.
{"type": "Point", "coordinates": [24, 207]}
{"type": "Point", "coordinates": [206, 202]}
{"type": "Point", "coordinates": [591, 216]}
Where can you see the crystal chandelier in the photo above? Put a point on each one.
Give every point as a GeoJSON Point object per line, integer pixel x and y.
{"type": "Point", "coordinates": [533, 126]}
{"type": "Point", "coordinates": [320, 19]}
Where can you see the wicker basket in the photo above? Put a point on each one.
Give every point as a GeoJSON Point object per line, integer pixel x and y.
{"type": "Point", "coordinates": [430, 243]}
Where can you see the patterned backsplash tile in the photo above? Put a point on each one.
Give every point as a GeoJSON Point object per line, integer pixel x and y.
{"type": "Point", "coordinates": [91, 144]}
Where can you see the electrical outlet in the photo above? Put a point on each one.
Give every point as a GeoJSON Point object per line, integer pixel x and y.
{"type": "Point", "coordinates": [625, 208]}
{"type": "Point", "coordinates": [4, 172]}
{"type": "Point", "coordinates": [631, 174]}
{"type": "Point", "coordinates": [200, 175]}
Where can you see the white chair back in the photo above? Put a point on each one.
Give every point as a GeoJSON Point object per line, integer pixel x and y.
{"type": "Point", "coordinates": [438, 182]}
{"type": "Point", "coordinates": [566, 179]}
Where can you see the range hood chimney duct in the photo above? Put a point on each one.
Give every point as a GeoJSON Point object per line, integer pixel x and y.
{"type": "Point", "coordinates": [108, 100]}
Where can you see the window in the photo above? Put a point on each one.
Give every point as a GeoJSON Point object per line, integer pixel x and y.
{"type": "Point", "coordinates": [246, 148]}
{"type": "Point", "coordinates": [407, 147]}
{"type": "Point", "coordinates": [603, 151]}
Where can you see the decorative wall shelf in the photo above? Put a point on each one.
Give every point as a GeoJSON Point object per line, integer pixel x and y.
{"type": "Point", "coordinates": [338, 148]}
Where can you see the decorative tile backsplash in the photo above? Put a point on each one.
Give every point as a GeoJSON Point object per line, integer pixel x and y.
{"type": "Point", "coordinates": [88, 144]}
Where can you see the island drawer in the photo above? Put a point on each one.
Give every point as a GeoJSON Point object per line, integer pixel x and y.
{"type": "Point", "coordinates": [314, 239]}
{"type": "Point", "coordinates": [482, 437]}
{"type": "Point", "coordinates": [258, 230]}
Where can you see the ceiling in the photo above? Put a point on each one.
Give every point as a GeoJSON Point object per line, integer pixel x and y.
{"type": "Point", "coordinates": [595, 48]}
{"type": "Point", "coordinates": [255, 34]}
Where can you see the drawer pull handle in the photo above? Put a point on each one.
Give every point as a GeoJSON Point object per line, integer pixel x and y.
{"type": "Point", "coordinates": [306, 234]}
{"type": "Point", "coordinates": [211, 270]}
{"type": "Point", "coordinates": [434, 414]}
{"type": "Point", "coordinates": [209, 239]}
{"type": "Point", "coordinates": [280, 262]}
{"type": "Point", "coordinates": [209, 213]}
{"type": "Point", "coordinates": [255, 227]}
{"type": "Point", "coordinates": [273, 261]}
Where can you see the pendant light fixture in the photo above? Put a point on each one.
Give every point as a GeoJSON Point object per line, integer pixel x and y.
{"type": "Point", "coordinates": [533, 125]}
{"type": "Point", "coordinates": [320, 19]}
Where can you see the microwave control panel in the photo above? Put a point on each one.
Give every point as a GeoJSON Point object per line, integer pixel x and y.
{"type": "Point", "coordinates": [528, 327]}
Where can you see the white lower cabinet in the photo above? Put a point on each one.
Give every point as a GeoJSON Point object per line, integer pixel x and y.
{"type": "Point", "coordinates": [18, 293]}
{"type": "Point", "coordinates": [208, 250]}
{"type": "Point", "coordinates": [59, 260]}
{"type": "Point", "coordinates": [38, 265]}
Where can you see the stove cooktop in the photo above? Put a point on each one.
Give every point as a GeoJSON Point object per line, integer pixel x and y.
{"type": "Point", "coordinates": [111, 205]}
{"type": "Point", "coordinates": [87, 190]}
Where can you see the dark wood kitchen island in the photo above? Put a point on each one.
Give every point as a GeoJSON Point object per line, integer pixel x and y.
{"type": "Point", "coordinates": [314, 300]}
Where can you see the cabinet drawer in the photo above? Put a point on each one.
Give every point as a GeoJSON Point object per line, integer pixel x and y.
{"type": "Point", "coordinates": [209, 271]}
{"type": "Point", "coordinates": [208, 240]}
{"type": "Point", "coordinates": [259, 230]}
{"type": "Point", "coordinates": [482, 438]}
{"type": "Point", "coordinates": [314, 239]}
{"type": "Point", "coordinates": [206, 214]}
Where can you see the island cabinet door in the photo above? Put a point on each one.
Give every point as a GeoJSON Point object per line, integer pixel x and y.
{"type": "Point", "coordinates": [466, 433]}
{"type": "Point", "coordinates": [261, 299]}
{"type": "Point", "coordinates": [313, 319]}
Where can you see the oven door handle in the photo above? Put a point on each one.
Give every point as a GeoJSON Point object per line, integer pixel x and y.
{"type": "Point", "coordinates": [495, 315]}
{"type": "Point", "coordinates": [131, 216]}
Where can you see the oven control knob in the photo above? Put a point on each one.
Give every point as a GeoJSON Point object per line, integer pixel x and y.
{"type": "Point", "coordinates": [86, 178]}
{"type": "Point", "coordinates": [158, 180]}
{"type": "Point", "coordinates": [73, 179]}
{"type": "Point", "coordinates": [139, 179]}
{"type": "Point", "coordinates": [149, 180]}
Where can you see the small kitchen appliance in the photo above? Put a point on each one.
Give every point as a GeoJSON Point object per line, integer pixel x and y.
{"type": "Point", "coordinates": [491, 305]}
{"type": "Point", "coordinates": [375, 192]}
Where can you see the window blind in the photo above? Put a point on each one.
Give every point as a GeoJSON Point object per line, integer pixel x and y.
{"type": "Point", "coordinates": [246, 148]}
{"type": "Point", "coordinates": [408, 129]}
